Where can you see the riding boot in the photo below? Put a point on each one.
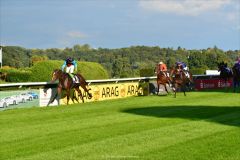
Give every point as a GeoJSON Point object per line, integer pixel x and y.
{"type": "Point", "coordinates": [72, 76]}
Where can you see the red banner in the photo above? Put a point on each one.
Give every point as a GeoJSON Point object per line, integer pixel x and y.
{"type": "Point", "coordinates": [211, 84]}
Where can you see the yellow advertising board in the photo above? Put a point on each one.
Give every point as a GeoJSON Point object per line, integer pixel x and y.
{"type": "Point", "coordinates": [108, 91]}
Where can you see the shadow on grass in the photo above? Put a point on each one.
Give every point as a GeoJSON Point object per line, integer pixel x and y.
{"type": "Point", "coordinates": [224, 115]}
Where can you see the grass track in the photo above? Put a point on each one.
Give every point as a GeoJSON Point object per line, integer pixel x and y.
{"type": "Point", "coordinates": [203, 125]}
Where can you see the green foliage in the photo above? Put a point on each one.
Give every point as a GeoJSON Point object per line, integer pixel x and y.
{"type": "Point", "coordinates": [18, 76]}
{"type": "Point", "coordinates": [36, 58]}
{"type": "Point", "coordinates": [147, 72]}
{"type": "Point", "coordinates": [92, 70]}
{"type": "Point", "coordinates": [42, 71]}
{"type": "Point", "coordinates": [197, 71]}
{"type": "Point", "coordinates": [123, 62]}
{"type": "Point", "coordinates": [17, 57]}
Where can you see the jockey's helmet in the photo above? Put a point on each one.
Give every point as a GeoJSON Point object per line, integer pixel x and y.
{"type": "Point", "coordinates": [69, 60]}
{"type": "Point", "coordinates": [160, 62]}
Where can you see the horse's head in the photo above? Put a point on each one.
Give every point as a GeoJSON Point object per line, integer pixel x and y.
{"type": "Point", "coordinates": [178, 73]}
{"type": "Point", "coordinates": [225, 72]}
{"type": "Point", "coordinates": [222, 66]}
{"type": "Point", "coordinates": [56, 74]}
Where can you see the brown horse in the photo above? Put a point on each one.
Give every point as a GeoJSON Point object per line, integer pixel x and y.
{"type": "Point", "coordinates": [179, 79]}
{"type": "Point", "coordinates": [226, 73]}
{"type": "Point", "coordinates": [162, 79]}
{"type": "Point", "coordinates": [66, 82]}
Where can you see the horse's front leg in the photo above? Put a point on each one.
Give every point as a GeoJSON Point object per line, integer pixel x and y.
{"type": "Point", "coordinates": [174, 88]}
{"type": "Point", "coordinates": [68, 95]}
{"type": "Point", "coordinates": [86, 90]}
{"type": "Point", "coordinates": [59, 92]}
{"type": "Point", "coordinates": [184, 90]}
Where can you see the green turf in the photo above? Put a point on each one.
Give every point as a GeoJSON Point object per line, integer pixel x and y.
{"type": "Point", "coordinates": [204, 125]}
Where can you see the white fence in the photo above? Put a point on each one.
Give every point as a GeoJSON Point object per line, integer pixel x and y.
{"type": "Point", "coordinates": [88, 81]}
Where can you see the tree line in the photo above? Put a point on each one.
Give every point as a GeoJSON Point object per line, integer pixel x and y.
{"type": "Point", "coordinates": [123, 62]}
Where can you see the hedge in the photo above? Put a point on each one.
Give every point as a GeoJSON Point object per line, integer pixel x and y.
{"type": "Point", "coordinates": [42, 71]}
{"type": "Point", "coordinates": [18, 76]}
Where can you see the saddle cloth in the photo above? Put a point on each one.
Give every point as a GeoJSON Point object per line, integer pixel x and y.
{"type": "Point", "coordinates": [75, 79]}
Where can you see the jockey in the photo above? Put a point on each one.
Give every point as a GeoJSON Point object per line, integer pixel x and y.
{"type": "Point", "coordinates": [161, 67]}
{"type": "Point", "coordinates": [70, 65]}
{"type": "Point", "coordinates": [184, 67]}
{"type": "Point", "coordinates": [237, 63]}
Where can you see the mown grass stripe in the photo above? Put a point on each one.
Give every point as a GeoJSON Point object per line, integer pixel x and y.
{"type": "Point", "coordinates": [137, 127]}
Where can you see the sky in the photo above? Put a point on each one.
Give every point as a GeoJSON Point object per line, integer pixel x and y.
{"type": "Point", "coordinates": [190, 24]}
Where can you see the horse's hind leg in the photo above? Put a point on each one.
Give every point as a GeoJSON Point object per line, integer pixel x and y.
{"type": "Point", "coordinates": [79, 94]}
{"type": "Point", "coordinates": [165, 85]}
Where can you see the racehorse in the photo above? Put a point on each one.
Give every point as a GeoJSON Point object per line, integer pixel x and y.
{"type": "Point", "coordinates": [179, 79]}
{"type": "Point", "coordinates": [66, 82]}
{"type": "Point", "coordinates": [236, 76]}
{"type": "Point", "coordinates": [225, 72]}
{"type": "Point", "coordinates": [163, 79]}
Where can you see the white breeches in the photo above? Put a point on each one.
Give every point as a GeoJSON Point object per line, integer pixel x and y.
{"type": "Point", "coordinates": [70, 69]}
{"type": "Point", "coordinates": [185, 68]}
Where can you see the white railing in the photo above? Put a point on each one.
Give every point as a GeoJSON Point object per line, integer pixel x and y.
{"type": "Point", "coordinates": [89, 81]}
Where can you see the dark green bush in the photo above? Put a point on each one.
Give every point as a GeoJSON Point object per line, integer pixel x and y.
{"type": "Point", "coordinates": [196, 71]}
{"type": "Point", "coordinates": [147, 72]}
{"type": "Point", "coordinates": [18, 76]}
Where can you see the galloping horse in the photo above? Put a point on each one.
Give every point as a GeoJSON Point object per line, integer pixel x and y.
{"type": "Point", "coordinates": [163, 79]}
{"type": "Point", "coordinates": [225, 72]}
{"type": "Point", "coordinates": [66, 82]}
{"type": "Point", "coordinates": [179, 79]}
{"type": "Point", "coordinates": [236, 76]}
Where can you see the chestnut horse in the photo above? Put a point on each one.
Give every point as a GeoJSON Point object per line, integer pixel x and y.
{"type": "Point", "coordinates": [162, 79]}
{"type": "Point", "coordinates": [180, 80]}
{"type": "Point", "coordinates": [66, 82]}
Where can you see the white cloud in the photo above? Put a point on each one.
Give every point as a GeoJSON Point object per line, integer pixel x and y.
{"type": "Point", "coordinates": [76, 34]}
{"type": "Point", "coordinates": [72, 37]}
{"type": "Point", "coordinates": [183, 7]}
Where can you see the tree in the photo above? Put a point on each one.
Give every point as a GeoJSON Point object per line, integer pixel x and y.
{"type": "Point", "coordinates": [36, 58]}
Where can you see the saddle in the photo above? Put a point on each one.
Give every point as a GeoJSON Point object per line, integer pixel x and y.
{"type": "Point", "coordinates": [75, 78]}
